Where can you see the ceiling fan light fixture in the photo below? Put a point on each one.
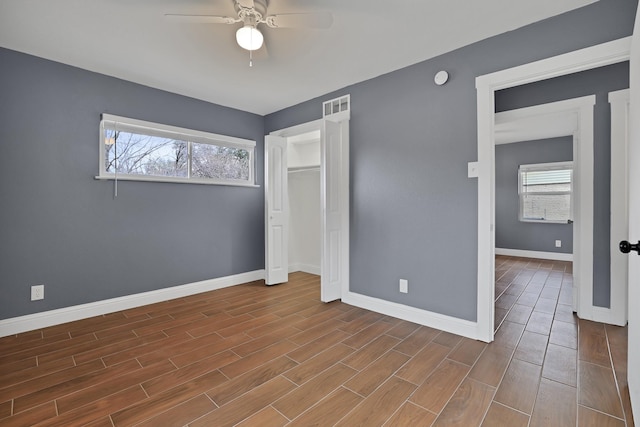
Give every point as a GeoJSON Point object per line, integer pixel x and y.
{"type": "Point", "coordinates": [249, 38]}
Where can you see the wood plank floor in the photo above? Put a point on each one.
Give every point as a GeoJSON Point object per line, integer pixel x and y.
{"type": "Point", "coordinates": [253, 355]}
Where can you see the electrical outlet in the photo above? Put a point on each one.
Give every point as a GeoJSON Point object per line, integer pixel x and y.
{"type": "Point", "coordinates": [37, 292]}
{"type": "Point", "coordinates": [404, 286]}
{"type": "Point", "coordinates": [558, 243]}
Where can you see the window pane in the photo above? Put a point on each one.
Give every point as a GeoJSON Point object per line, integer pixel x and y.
{"type": "Point", "coordinates": [546, 207]}
{"type": "Point", "coordinates": [546, 188]}
{"type": "Point", "coordinates": [215, 162]}
{"type": "Point", "coordinates": [138, 154]}
{"type": "Point", "coordinates": [546, 180]}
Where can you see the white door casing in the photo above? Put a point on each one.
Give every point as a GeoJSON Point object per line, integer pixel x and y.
{"type": "Point", "coordinates": [486, 85]}
{"type": "Point", "coordinates": [570, 117]}
{"type": "Point", "coordinates": [583, 190]}
{"type": "Point", "coordinates": [619, 101]}
{"type": "Point", "coordinates": [633, 370]}
{"type": "Point", "coordinates": [276, 210]}
{"type": "Point", "coordinates": [334, 178]}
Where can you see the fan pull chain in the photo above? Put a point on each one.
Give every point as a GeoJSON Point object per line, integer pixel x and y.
{"type": "Point", "coordinates": [251, 52]}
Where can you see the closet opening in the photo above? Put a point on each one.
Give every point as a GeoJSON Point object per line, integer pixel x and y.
{"type": "Point", "coordinates": [303, 173]}
{"type": "Point", "coordinates": [307, 203]}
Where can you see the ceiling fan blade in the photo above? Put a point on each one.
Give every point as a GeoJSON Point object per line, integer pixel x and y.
{"type": "Point", "coordinates": [201, 19]}
{"type": "Point", "coordinates": [318, 20]}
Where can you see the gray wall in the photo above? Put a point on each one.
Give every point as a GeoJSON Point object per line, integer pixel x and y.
{"type": "Point", "coordinates": [61, 227]}
{"type": "Point", "coordinates": [600, 82]}
{"type": "Point", "coordinates": [511, 233]}
{"type": "Point", "coordinates": [413, 209]}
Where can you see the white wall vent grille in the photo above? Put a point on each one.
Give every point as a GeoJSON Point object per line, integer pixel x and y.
{"type": "Point", "coordinates": [336, 106]}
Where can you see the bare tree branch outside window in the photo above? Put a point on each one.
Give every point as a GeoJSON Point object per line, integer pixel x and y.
{"type": "Point", "coordinates": [138, 154]}
{"type": "Point", "coordinates": [212, 161]}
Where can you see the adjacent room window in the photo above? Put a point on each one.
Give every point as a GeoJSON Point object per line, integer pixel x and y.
{"type": "Point", "coordinates": [546, 192]}
{"type": "Point", "coordinates": [138, 150]}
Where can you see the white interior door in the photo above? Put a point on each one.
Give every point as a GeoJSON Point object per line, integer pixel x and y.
{"type": "Point", "coordinates": [634, 223]}
{"type": "Point", "coordinates": [276, 210]}
{"type": "Point", "coordinates": [334, 180]}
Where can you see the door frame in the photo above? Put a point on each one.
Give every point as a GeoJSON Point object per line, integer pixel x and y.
{"type": "Point", "coordinates": [570, 117]}
{"type": "Point", "coordinates": [342, 118]}
{"type": "Point", "coordinates": [633, 351]}
{"type": "Point", "coordinates": [486, 86]}
{"type": "Point", "coordinates": [620, 105]}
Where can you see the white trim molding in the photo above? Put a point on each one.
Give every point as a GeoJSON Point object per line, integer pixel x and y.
{"type": "Point", "coordinates": [620, 105]}
{"type": "Point", "coordinates": [442, 322]}
{"type": "Point", "coordinates": [44, 319]}
{"type": "Point", "coordinates": [554, 256]}
{"type": "Point", "coordinates": [573, 117]}
{"type": "Point", "coordinates": [300, 129]}
{"type": "Point", "coordinates": [584, 59]}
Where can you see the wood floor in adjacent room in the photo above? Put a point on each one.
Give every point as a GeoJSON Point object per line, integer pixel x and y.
{"type": "Point", "coordinates": [253, 355]}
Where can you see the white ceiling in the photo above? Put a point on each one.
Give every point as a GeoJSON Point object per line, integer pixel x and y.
{"type": "Point", "coordinates": [132, 40]}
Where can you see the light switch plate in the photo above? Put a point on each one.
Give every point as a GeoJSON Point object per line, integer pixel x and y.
{"type": "Point", "coordinates": [472, 169]}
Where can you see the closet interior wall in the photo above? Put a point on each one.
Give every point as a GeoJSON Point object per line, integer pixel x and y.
{"type": "Point", "coordinates": [304, 206]}
{"type": "Point", "coordinates": [304, 221]}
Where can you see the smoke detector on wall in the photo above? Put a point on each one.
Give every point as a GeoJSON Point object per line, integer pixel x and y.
{"type": "Point", "coordinates": [441, 78]}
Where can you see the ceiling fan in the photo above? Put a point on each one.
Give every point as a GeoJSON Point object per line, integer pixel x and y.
{"type": "Point", "coordinates": [254, 12]}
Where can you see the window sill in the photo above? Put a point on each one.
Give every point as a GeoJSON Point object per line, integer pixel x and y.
{"type": "Point", "coordinates": [544, 221]}
{"type": "Point", "coordinates": [174, 180]}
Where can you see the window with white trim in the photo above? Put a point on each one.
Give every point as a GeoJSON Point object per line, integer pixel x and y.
{"type": "Point", "coordinates": [133, 149]}
{"type": "Point", "coordinates": [546, 192]}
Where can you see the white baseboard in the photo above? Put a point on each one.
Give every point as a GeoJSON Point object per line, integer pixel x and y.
{"type": "Point", "coordinates": [44, 319]}
{"type": "Point", "coordinates": [306, 268]}
{"type": "Point", "coordinates": [555, 256]}
{"type": "Point", "coordinates": [454, 325]}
